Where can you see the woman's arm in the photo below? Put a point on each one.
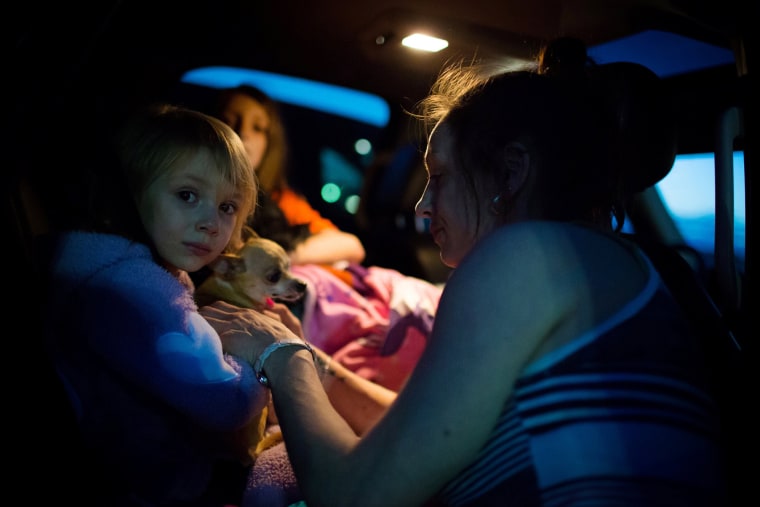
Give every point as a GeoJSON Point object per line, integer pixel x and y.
{"type": "Point", "coordinates": [494, 315]}
{"type": "Point", "coordinates": [327, 243]}
{"type": "Point", "coordinates": [425, 437]}
{"type": "Point", "coordinates": [359, 401]}
{"type": "Point", "coordinates": [328, 247]}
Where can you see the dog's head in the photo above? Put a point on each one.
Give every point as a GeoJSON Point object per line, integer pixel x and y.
{"type": "Point", "coordinates": [259, 271]}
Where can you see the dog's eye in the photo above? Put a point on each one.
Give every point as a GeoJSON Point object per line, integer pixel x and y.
{"type": "Point", "coordinates": [274, 276]}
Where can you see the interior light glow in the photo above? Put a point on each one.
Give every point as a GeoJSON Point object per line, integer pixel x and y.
{"type": "Point", "coordinates": [330, 192]}
{"type": "Point", "coordinates": [352, 204]}
{"type": "Point", "coordinates": [362, 146]}
{"type": "Point", "coordinates": [424, 42]}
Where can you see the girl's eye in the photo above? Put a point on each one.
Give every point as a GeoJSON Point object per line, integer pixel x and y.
{"type": "Point", "coordinates": [228, 208]}
{"type": "Point", "coordinates": [187, 196]}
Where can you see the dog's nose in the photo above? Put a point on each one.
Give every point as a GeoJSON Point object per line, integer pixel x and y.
{"type": "Point", "coordinates": [300, 285]}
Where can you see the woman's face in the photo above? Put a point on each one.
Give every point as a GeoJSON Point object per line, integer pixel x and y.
{"type": "Point", "coordinates": [448, 202]}
{"type": "Point", "coordinates": [251, 122]}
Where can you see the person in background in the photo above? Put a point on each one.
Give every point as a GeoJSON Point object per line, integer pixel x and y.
{"type": "Point", "coordinates": [560, 370]}
{"type": "Point", "coordinates": [156, 399]}
{"type": "Point", "coordinates": [256, 119]}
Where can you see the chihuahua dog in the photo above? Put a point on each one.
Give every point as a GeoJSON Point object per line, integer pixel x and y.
{"type": "Point", "coordinates": [253, 277]}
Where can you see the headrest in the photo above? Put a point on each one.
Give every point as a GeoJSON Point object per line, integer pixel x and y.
{"type": "Point", "coordinates": [644, 120]}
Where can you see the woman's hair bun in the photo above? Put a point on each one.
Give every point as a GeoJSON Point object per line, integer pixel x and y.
{"type": "Point", "coordinates": [563, 57]}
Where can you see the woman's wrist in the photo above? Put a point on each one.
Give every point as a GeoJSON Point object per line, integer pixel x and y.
{"type": "Point", "coordinates": [259, 366]}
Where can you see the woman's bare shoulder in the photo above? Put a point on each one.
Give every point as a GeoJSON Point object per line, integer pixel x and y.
{"type": "Point", "coordinates": [549, 268]}
{"type": "Point", "coordinates": [558, 242]}
{"type": "Point", "coordinates": [537, 284]}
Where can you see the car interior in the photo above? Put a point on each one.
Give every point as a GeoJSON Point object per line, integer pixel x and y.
{"type": "Point", "coordinates": [347, 83]}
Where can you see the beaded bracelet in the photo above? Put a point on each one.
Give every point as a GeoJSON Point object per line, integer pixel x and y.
{"type": "Point", "coordinates": [323, 365]}
{"type": "Point", "coordinates": [258, 366]}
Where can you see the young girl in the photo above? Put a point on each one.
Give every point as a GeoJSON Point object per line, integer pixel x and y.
{"type": "Point", "coordinates": [154, 395]}
{"type": "Point", "coordinates": [256, 119]}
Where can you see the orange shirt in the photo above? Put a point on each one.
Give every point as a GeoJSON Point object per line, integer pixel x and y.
{"type": "Point", "coordinates": [297, 210]}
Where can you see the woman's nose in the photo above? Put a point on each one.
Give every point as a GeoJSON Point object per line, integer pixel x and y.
{"type": "Point", "coordinates": [423, 207]}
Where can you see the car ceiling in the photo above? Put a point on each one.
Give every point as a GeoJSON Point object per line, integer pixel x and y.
{"type": "Point", "coordinates": [139, 47]}
{"type": "Point", "coordinates": [75, 63]}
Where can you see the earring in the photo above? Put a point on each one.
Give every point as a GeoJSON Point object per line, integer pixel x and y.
{"type": "Point", "coordinates": [495, 207]}
{"type": "Point", "coordinates": [499, 203]}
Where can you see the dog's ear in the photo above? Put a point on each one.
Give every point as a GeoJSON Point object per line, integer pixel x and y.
{"type": "Point", "coordinates": [248, 233]}
{"type": "Point", "coordinates": [227, 266]}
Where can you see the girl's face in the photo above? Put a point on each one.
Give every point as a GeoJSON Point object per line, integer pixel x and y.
{"type": "Point", "coordinates": [250, 120]}
{"type": "Point", "coordinates": [448, 203]}
{"type": "Point", "coordinates": [190, 213]}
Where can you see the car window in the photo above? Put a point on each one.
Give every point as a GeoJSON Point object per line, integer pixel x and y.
{"type": "Point", "coordinates": [338, 100]}
{"type": "Point", "coordinates": [665, 54]}
{"type": "Point", "coordinates": [688, 193]}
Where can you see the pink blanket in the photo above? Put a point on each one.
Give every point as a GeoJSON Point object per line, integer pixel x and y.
{"type": "Point", "coordinates": [377, 326]}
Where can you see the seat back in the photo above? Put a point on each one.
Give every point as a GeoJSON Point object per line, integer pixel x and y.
{"type": "Point", "coordinates": [646, 147]}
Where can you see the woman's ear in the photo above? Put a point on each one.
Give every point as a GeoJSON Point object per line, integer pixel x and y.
{"type": "Point", "coordinates": [517, 160]}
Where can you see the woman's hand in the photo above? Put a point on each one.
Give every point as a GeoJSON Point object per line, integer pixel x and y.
{"type": "Point", "coordinates": [244, 332]}
{"type": "Point", "coordinates": [283, 314]}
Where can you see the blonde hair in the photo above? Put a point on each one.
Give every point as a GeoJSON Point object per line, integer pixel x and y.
{"type": "Point", "coordinates": [456, 81]}
{"type": "Point", "coordinates": [155, 140]}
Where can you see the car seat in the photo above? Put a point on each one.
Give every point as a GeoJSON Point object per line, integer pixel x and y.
{"type": "Point", "coordinates": [646, 145]}
{"type": "Point", "coordinates": [47, 458]}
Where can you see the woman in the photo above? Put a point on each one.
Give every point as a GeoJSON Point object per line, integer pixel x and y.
{"type": "Point", "coordinates": [256, 119]}
{"type": "Point", "coordinates": [559, 370]}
